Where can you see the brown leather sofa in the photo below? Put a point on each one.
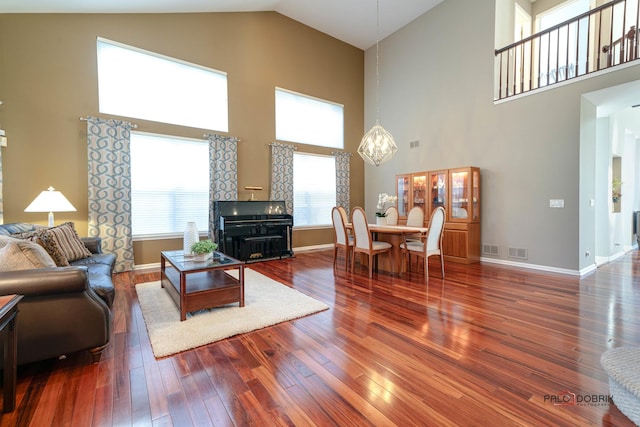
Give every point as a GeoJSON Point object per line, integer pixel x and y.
{"type": "Point", "coordinates": [64, 309]}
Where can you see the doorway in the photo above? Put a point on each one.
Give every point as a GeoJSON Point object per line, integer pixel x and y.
{"type": "Point", "coordinates": [610, 141]}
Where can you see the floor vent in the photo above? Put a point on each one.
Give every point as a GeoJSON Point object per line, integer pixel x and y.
{"type": "Point", "coordinates": [519, 253]}
{"type": "Point", "coordinates": [491, 250]}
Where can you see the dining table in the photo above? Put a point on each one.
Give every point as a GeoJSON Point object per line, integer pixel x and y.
{"type": "Point", "coordinates": [393, 260]}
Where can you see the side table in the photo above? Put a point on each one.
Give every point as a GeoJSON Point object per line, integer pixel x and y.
{"type": "Point", "coordinates": [8, 318]}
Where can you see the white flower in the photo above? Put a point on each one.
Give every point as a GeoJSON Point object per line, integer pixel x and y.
{"type": "Point", "coordinates": [383, 199]}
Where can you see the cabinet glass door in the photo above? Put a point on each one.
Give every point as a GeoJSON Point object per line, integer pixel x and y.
{"type": "Point", "coordinates": [476, 195]}
{"type": "Point", "coordinates": [437, 191]}
{"type": "Point", "coordinates": [459, 195]}
{"type": "Point", "coordinates": [419, 191]}
{"type": "Point", "coordinates": [402, 191]}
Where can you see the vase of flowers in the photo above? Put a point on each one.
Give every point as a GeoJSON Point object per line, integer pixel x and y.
{"type": "Point", "coordinates": [616, 185]}
{"type": "Point", "coordinates": [383, 199]}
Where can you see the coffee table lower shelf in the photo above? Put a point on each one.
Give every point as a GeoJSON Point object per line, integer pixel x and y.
{"type": "Point", "coordinates": [203, 289]}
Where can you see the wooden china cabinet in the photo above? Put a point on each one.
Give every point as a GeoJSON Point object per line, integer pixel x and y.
{"type": "Point", "coordinates": [403, 191]}
{"type": "Point", "coordinates": [411, 190]}
{"type": "Point", "coordinates": [458, 192]}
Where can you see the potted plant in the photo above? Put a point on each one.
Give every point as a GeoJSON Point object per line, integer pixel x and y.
{"type": "Point", "coordinates": [203, 249]}
{"type": "Point", "coordinates": [383, 199]}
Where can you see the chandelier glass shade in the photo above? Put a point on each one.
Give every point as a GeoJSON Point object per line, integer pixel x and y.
{"type": "Point", "coordinates": [377, 146]}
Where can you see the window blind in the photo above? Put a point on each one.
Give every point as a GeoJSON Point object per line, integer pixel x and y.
{"type": "Point", "coordinates": [169, 184]}
{"type": "Point", "coordinates": [308, 120]}
{"type": "Point", "coordinates": [136, 83]}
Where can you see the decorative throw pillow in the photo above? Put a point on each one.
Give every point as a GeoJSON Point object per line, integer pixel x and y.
{"type": "Point", "coordinates": [23, 255]}
{"type": "Point", "coordinates": [47, 243]}
{"type": "Point", "coordinates": [67, 240]}
{"type": "Point", "coordinates": [5, 240]}
{"type": "Point", "coordinates": [61, 243]}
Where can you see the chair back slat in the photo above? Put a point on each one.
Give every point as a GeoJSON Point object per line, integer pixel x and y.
{"type": "Point", "coordinates": [392, 215]}
{"type": "Point", "coordinates": [360, 229]}
{"type": "Point", "coordinates": [339, 227]}
{"type": "Point", "coordinates": [415, 217]}
{"type": "Point", "coordinates": [436, 226]}
{"type": "Point", "coordinates": [345, 215]}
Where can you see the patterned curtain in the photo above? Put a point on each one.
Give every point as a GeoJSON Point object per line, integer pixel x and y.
{"type": "Point", "coordinates": [1, 203]}
{"type": "Point", "coordinates": [282, 174]}
{"type": "Point", "coordinates": [343, 179]}
{"type": "Point", "coordinates": [223, 173]}
{"type": "Point", "coordinates": [110, 188]}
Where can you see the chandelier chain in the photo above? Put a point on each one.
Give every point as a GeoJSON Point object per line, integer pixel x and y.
{"type": "Point", "coordinates": [377, 145]}
{"type": "Point", "coordinates": [377, 60]}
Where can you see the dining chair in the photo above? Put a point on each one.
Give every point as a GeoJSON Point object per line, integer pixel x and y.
{"type": "Point", "coordinates": [345, 220]}
{"type": "Point", "coordinates": [432, 245]}
{"type": "Point", "coordinates": [341, 238]}
{"type": "Point", "coordinates": [343, 212]}
{"type": "Point", "coordinates": [415, 218]}
{"type": "Point", "coordinates": [363, 243]}
{"type": "Point", "coordinates": [392, 215]}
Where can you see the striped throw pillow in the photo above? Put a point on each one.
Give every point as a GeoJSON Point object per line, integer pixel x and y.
{"type": "Point", "coordinates": [67, 240]}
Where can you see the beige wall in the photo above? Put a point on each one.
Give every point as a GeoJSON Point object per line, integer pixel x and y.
{"type": "Point", "coordinates": [48, 81]}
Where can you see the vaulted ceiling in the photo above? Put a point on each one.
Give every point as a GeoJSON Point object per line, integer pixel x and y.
{"type": "Point", "coordinates": [352, 21]}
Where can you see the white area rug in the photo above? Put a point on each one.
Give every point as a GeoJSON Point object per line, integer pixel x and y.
{"type": "Point", "coordinates": [267, 303]}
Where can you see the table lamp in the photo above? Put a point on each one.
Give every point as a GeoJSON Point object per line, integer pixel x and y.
{"type": "Point", "coordinates": [50, 201]}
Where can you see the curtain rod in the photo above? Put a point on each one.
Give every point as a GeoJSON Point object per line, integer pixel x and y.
{"type": "Point", "coordinates": [207, 135]}
{"type": "Point", "coordinates": [84, 119]}
{"type": "Point", "coordinates": [282, 143]}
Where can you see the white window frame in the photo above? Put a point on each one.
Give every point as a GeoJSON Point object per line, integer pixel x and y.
{"type": "Point", "coordinates": [164, 172]}
{"type": "Point", "coordinates": [308, 120]}
{"type": "Point", "coordinates": [317, 178]}
{"type": "Point", "coordinates": [137, 83]}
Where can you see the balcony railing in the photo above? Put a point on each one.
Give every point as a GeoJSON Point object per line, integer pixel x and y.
{"type": "Point", "coordinates": [601, 38]}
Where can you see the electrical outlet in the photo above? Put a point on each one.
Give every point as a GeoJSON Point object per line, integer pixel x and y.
{"type": "Point", "coordinates": [556, 203]}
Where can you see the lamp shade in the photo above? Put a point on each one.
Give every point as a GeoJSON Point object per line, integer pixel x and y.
{"type": "Point", "coordinates": [377, 146]}
{"type": "Point", "coordinates": [50, 201]}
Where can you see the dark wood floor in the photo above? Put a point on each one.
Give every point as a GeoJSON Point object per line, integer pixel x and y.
{"type": "Point", "coordinates": [488, 345]}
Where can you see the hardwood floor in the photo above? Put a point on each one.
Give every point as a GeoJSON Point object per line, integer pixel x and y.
{"type": "Point", "coordinates": [489, 345]}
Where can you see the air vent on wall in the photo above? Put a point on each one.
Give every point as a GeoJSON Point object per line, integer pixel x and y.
{"type": "Point", "coordinates": [491, 250]}
{"type": "Point", "coordinates": [519, 253]}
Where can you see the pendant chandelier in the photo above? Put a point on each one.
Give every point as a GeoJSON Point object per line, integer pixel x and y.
{"type": "Point", "coordinates": [377, 145]}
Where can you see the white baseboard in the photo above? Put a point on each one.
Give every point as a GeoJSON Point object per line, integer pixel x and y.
{"type": "Point", "coordinates": [313, 248]}
{"type": "Point", "coordinates": [531, 266]}
{"type": "Point", "coordinates": [602, 260]}
{"type": "Point", "coordinates": [142, 267]}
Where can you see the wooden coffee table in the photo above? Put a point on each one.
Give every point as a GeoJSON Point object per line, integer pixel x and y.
{"type": "Point", "coordinates": [197, 285]}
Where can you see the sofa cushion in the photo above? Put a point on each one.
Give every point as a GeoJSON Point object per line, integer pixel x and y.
{"type": "Point", "coordinates": [16, 254]}
{"type": "Point", "coordinates": [17, 227]}
{"type": "Point", "coordinates": [68, 241]}
{"type": "Point", "coordinates": [61, 242]}
{"type": "Point", "coordinates": [48, 243]}
{"type": "Point", "coordinates": [107, 259]}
